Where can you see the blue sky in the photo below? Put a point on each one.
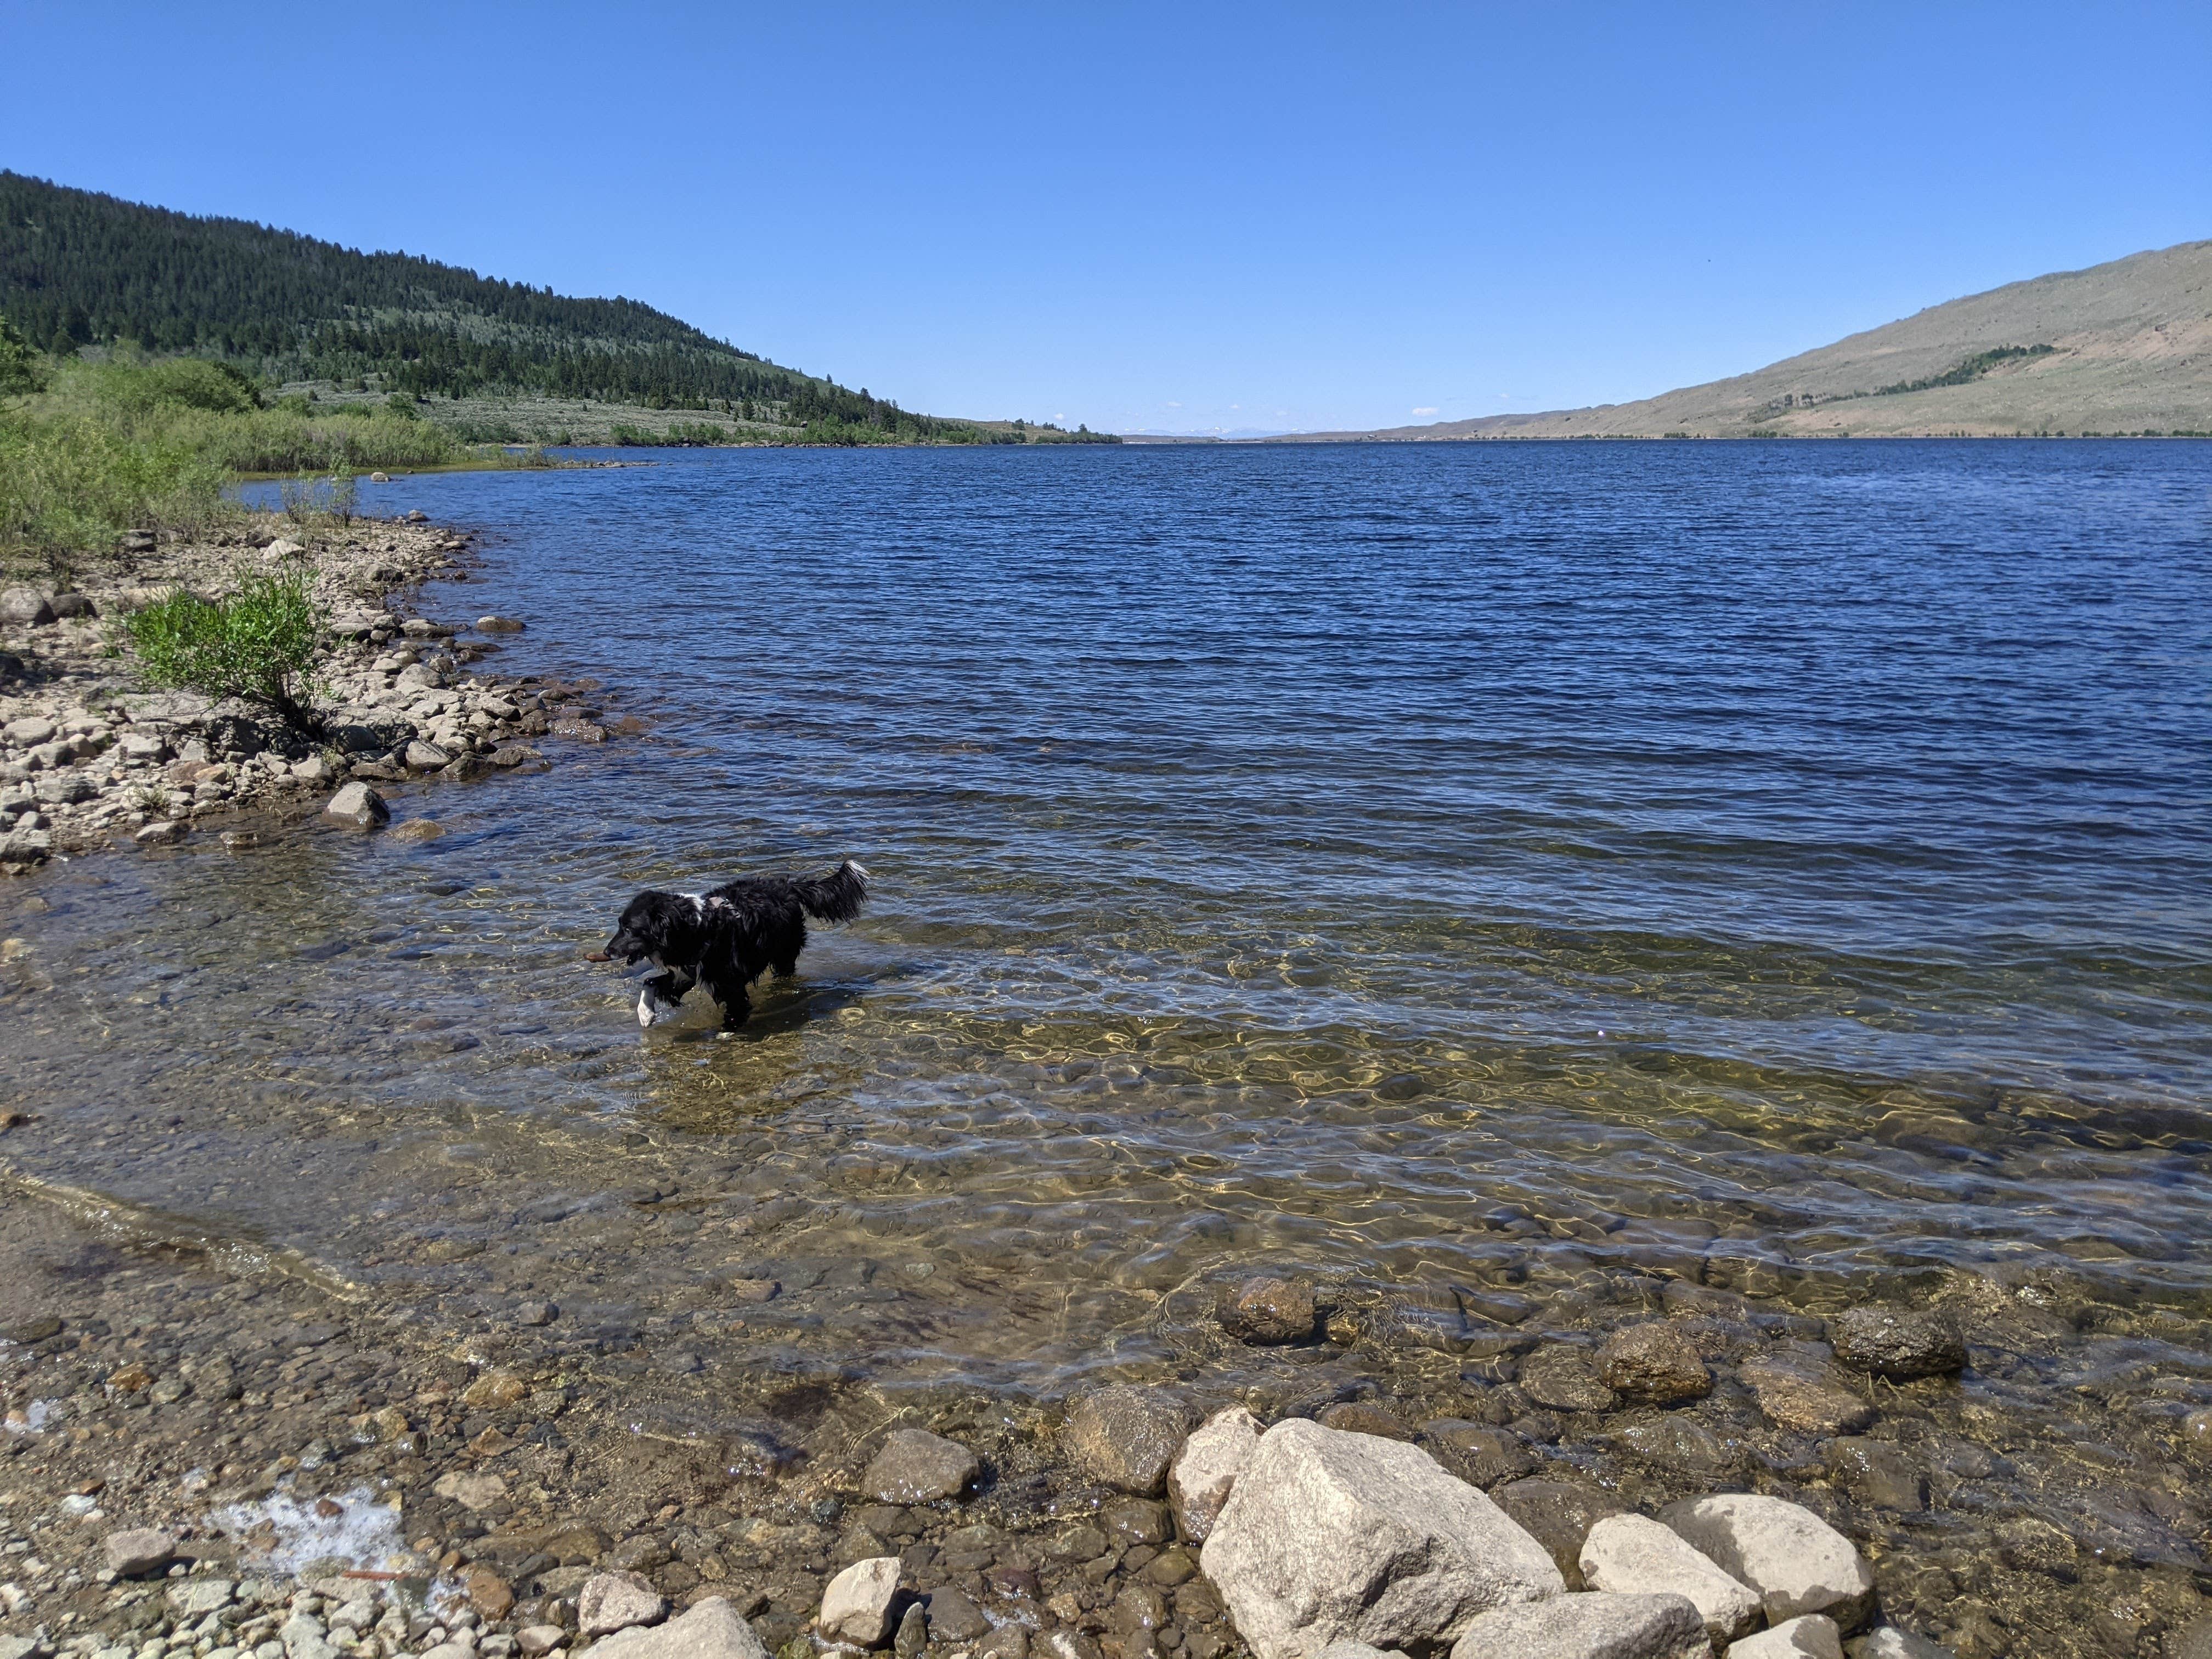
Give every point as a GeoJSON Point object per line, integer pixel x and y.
{"type": "Point", "coordinates": [1186, 218]}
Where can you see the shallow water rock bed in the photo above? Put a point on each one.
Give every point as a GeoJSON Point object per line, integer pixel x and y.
{"type": "Point", "coordinates": [89, 757]}
{"type": "Point", "coordinates": [145, 1385]}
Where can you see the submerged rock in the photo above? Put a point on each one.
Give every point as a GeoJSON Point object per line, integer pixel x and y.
{"type": "Point", "coordinates": [1266, 1309]}
{"type": "Point", "coordinates": [916, 1466]}
{"type": "Point", "coordinates": [1329, 1535]}
{"type": "Point", "coordinates": [1898, 1343]}
{"type": "Point", "coordinates": [1657, 1362]}
{"type": "Point", "coordinates": [1126, 1437]}
{"type": "Point", "coordinates": [1803, 1396]}
{"type": "Point", "coordinates": [1558, 1517]}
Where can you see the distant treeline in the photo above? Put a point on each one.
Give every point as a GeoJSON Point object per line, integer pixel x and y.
{"type": "Point", "coordinates": [78, 269]}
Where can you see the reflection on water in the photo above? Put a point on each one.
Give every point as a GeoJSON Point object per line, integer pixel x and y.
{"type": "Point", "coordinates": [1783, 868]}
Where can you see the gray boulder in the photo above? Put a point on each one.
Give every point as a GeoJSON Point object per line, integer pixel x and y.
{"type": "Point", "coordinates": [1126, 1437]}
{"type": "Point", "coordinates": [861, 1602]}
{"type": "Point", "coordinates": [711, 1630]}
{"type": "Point", "coordinates": [1205, 1470]}
{"type": "Point", "coordinates": [423, 756]}
{"type": "Point", "coordinates": [358, 805]}
{"type": "Point", "coordinates": [498, 625]}
{"type": "Point", "coordinates": [1796, 1561]}
{"type": "Point", "coordinates": [611, 1601]}
{"type": "Point", "coordinates": [1635, 1555]}
{"type": "Point", "coordinates": [26, 605]}
{"type": "Point", "coordinates": [1811, 1636]}
{"type": "Point", "coordinates": [31, 731]}
{"type": "Point", "coordinates": [1327, 1536]}
{"type": "Point", "coordinates": [1898, 1343]}
{"type": "Point", "coordinates": [135, 1551]}
{"type": "Point", "coordinates": [915, 1467]}
{"type": "Point", "coordinates": [1591, 1627]}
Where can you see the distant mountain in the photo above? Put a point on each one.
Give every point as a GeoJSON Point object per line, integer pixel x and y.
{"type": "Point", "coordinates": [77, 268]}
{"type": "Point", "coordinates": [2122, 347]}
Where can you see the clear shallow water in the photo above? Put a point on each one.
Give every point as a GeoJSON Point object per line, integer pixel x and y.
{"type": "Point", "coordinates": [1784, 867]}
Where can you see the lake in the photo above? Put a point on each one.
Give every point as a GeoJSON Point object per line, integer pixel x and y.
{"type": "Point", "coordinates": [1452, 873]}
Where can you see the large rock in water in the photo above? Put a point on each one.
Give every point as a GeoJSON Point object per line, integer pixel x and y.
{"type": "Point", "coordinates": [1655, 1362]}
{"type": "Point", "coordinates": [359, 805]}
{"type": "Point", "coordinates": [711, 1630]}
{"type": "Point", "coordinates": [1126, 1437]}
{"type": "Point", "coordinates": [1594, 1626]}
{"type": "Point", "coordinates": [1796, 1561]}
{"type": "Point", "coordinates": [1330, 1535]}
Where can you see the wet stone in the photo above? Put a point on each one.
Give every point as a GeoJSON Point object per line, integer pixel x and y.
{"type": "Point", "coordinates": [1558, 1517]}
{"type": "Point", "coordinates": [1803, 1396]}
{"type": "Point", "coordinates": [1876, 1473]}
{"type": "Point", "coordinates": [1126, 1437]}
{"type": "Point", "coordinates": [1478, 1454]}
{"type": "Point", "coordinates": [1266, 1309]}
{"type": "Point", "coordinates": [916, 1466]}
{"type": "Point", "coordinates": [1360, 1417]}
{"type": "Point", "coordinates": [1656, 1362]}
{"type": "Point", "coordinates": [954, 1616]}
{"type": "Point", "coordinates": [1562, 1378]}
{"type": "Point", "coordinates": [1898, 1343]}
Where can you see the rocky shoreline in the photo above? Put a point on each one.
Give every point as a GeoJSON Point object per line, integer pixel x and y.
{"type": "Point", "coordinates": [233, 1456]}
{"type": "Point", "coordinates": [89, 758]}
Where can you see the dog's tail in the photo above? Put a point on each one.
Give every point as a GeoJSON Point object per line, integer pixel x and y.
{"type": "Point", "coordinates": [836, 897]}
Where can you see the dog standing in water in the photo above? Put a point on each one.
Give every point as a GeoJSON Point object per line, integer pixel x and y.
{"type": "Point", "coordinates": [726, 938]}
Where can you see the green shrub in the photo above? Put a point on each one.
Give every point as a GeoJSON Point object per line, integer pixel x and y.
{"type": "Point", "coordinates": [70, 482]}
{"type": "Point", "coordinates": [174, 383]}
{"type": "Point", "coordinates": [258, 643]}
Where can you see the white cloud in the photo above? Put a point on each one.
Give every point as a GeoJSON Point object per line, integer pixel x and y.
{"type": "Point", "coordinates": [1174, 405]}
{"type": "Point", "coordinates": [1425, 411]}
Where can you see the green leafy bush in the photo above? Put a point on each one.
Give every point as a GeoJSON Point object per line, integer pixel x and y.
{"type": "Point", "coordinates": [257, 643]}
{"type": "Point", "coordinates": [19, 368]}
{"type": "Point", "coordinates": [70, 482]}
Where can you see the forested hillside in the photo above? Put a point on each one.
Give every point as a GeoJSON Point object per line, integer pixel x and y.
{"type": "Point", "coordinates": [77, 268]}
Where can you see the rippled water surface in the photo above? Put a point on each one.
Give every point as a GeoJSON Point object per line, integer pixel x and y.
{"type": "Point", "coordinates": [1787, 866]}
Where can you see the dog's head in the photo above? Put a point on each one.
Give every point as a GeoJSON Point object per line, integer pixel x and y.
{"type": "Point", "coordinates": [650, 926]}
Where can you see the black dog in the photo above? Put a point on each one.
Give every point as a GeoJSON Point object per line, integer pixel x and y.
{"type": "Point", "coordinates": [727, 938]}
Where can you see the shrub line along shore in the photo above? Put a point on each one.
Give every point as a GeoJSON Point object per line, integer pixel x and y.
{"type": "Point", "coordinates": [90, 756]}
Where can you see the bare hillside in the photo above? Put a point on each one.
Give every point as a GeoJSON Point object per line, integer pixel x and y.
{"type": "Point", "coordinates": [2119, 348]}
